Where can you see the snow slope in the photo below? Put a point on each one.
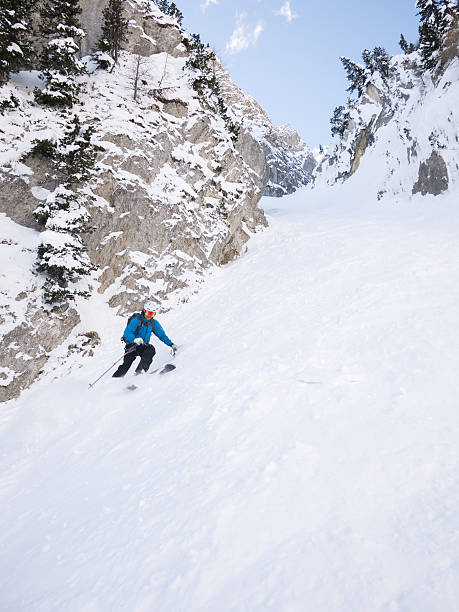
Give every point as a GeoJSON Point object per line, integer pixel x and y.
{"type": "Point", "coordinates": [303, 456]}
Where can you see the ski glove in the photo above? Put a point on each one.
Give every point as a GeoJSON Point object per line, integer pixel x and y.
{"type": "Point", "coordinates": [173, 349]}
{"type": "Point", "coordinates": [138, 341]}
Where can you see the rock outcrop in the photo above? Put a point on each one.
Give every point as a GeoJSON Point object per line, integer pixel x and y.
{"type": "Point", "coordinates": [403, 130]}
{"type": "Point", "coordinates": [27, 346]}
{"type": "Point", "coordinates": [150, 31]}
{"type": "Point", "coordinates": [289, 160]}
{"type": "Point", "coordinates": [433, 176]}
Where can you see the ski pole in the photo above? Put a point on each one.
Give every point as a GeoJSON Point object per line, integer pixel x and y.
{"type": "Point", "coordinates": [91, 385]}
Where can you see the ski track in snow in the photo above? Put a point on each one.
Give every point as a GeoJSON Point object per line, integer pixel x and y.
{"type": "Point", "coordinates": [303, 456]}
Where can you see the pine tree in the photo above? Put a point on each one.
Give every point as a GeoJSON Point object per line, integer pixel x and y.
{"type": "Point", "coordinates": [357, 75]}
{"type": "Point", "coordinates": [430, 34]}
{"type": "Point", "coordinates": [339, 121]}
{"type": "Point", "coordinates": [405, 47]}
{"type": "Point", "coordinates": [63, 211]}
{"type": "Point", "coordinates": [114, 34]}
{"type": "Point", "coordinates": [377, 60]}
{"type": "Point", "coordinates": [169, 8]}
{"type": "Point", "coordinates": [436, 17]}
{"type": "Point", "coordinates": [204, 81]}
{"type": "Point", "coordinates": [76, 155]}
{"type": "Point", "coordinates": [200, 60]}
{"type": "Point", "coordinates": [62, 255]}
{"type": "Point", "coordinates": [59, 62]}
{"type": "Point", "coordinates": [381, 62]}
{"type": "Point", "coordinates": [55, 12]}
{"type": "Point", "coordinates": [15, 45]}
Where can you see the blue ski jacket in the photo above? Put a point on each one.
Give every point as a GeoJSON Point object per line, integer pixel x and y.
{"type": "Point", "coordinates": [145, 330]}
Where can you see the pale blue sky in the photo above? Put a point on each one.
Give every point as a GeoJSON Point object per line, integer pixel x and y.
{"type": "Point", "coordinates": [286, 53]}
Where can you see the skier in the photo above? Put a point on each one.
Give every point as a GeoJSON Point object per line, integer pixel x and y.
{"type": "Point", "coordinates": [137, 335]}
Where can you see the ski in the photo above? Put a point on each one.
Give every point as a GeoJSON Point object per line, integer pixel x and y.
{"type": "Point", "coordinates": [168, 367]}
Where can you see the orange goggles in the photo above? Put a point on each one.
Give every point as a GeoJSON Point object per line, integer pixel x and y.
{"type": "Point", "coordinates": [149, 313]}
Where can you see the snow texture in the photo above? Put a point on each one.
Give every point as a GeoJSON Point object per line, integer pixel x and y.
{"type": "Point", "coordinates": [304, 453]}
{"type": "Point", "coordinates": [302, 456]}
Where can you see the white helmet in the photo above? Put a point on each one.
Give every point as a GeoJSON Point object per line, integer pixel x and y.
{"type": "Point", "coordinates": [149, 305]}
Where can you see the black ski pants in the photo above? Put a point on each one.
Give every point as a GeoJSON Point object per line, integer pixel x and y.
{"type": "Point", "coordinates": [146, 352]}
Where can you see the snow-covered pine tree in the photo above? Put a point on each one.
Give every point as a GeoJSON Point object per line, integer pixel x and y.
{"type": "Point", "coordinates": [63, 211]}
{"type": "Point", "coordinates": [15, 31]}
{"type": "Point", "coordinates": [200, 60]}
{"type": "Point", "coordinates": [204, 81]}
{"type": "Point", "coordinates": [62, 255]}
{"type": "Point", "coordinates": [381, 62]}
{"type": "Point", "coordinates": [76, 155]}
{"type": "Point", "coordinates": [55, 12]}
{"type": "Point", "coordinates": [339, 121]}
{"type": "Point", "coordinates": [169, 8]}
{"type": "Point", "coordinates": [357, 75]}
{"type": "Point", "coordinates": [114, 34]}
{"type": "Point", "coordinates": [59, 62]}
{"type": "Point", "coordinates": [436, 17]}
{"type": "Point", "coordinates": [405, 47]}
{"type": "Point", "coordinates": [377, 60]}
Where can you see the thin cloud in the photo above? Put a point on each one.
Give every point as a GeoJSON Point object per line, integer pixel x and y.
{"type": "Point", "coordinates": [244, 36]}
{"type": "Point", "coordinates": [205, 5]}
{"type": "Point", "coordinates": [286, 11]}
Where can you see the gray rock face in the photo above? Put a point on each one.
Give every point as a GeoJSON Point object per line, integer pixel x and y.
{"type": "Point", "coordinates": [173, 194]}
{"type": "Point", "coordinates": [287, 171]}
{"type": "Point", "coordinates": [359, 146]}
{"type": "Point", "coordinates": [433, 176]}
{"type": "Point", "coordinates": [288, 159]}
{"type": "Point", "coordinates": [149, 31]}
{"type": "Point", "coordinates": [91, 19]}
{"type": "Point", "coordinates": [254, 156]}
{"type": "Point", "coordinates": [16, 199]}
{"type": "Point", "coordinates": [26, 348]}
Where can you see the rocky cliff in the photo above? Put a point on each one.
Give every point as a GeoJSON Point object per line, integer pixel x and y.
{"type": "Point", "coordinates": [402, 131]}
{"type": "Point", "coordinates": [171, 196]}
{"type": "Point", "coordinates": [290, 162]}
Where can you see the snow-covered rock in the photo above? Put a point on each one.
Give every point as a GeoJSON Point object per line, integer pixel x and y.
{"type": "Point", "coordinates": [29, 332]}
{"type": "Point", "coordinates": [150, 30]}
{"type": "Point", "coordinates": [289, 160]}
{"type": "Point", "coordinates": [172, 194]}
{"type": "Point", "coordinates": [406, 128]}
